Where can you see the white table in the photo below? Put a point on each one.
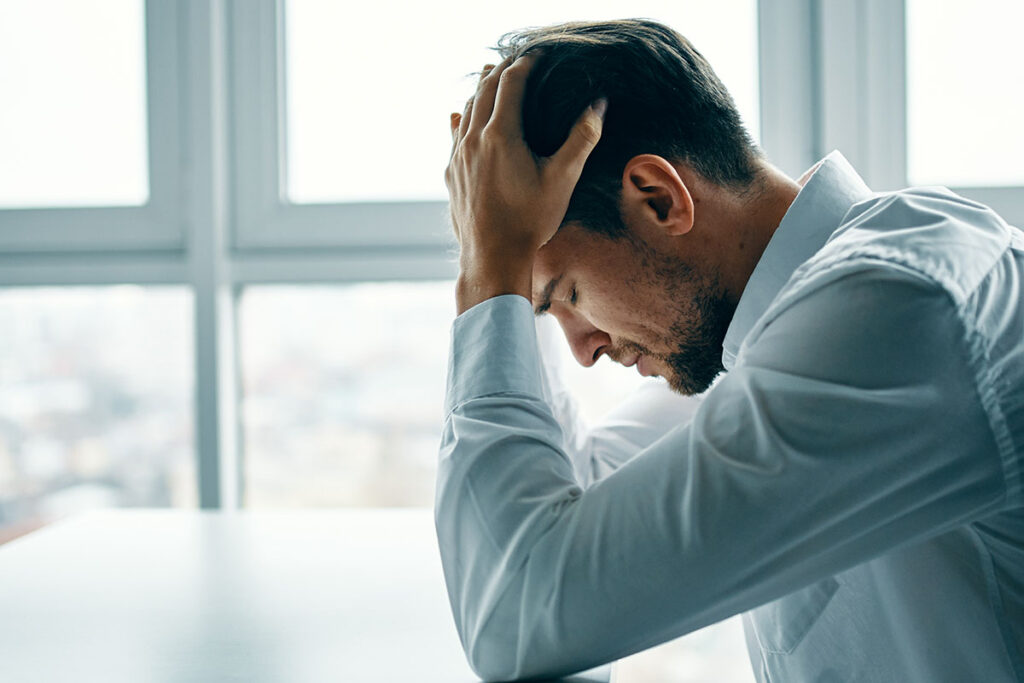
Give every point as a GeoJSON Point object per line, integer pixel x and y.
{"type": "Point", "coordinates": [262, 597]}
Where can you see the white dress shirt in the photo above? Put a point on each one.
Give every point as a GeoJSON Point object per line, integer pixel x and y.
{"type": "Point", "coordinates": [853, 483]}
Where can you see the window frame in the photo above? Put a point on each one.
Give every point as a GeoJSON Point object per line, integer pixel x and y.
{"type": "Point", "coordinates": [153, 226]}
{"type": "Point", "coordinates": [263, 216]}
{"type": "Point", "coordinates": [862, 81]}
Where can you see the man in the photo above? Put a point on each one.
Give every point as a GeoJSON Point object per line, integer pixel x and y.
{"type": "Point", "coordinates": [853, 482]}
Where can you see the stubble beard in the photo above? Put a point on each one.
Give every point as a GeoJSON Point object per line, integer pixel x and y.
{"type": "Point", "coordinates": [701, 314]}
{"type": "Point", "coordinates": [699, 338]}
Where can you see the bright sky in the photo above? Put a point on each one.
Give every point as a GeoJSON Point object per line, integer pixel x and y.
{"type": "Point", "coordinates": [73, 112]}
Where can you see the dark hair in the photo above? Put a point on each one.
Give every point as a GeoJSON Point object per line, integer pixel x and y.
{"type": "Point", "coordinates": [663, 98]}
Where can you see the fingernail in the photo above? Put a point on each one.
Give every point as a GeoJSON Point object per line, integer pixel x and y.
{"type": "Point", "coordinates": [600, 106]}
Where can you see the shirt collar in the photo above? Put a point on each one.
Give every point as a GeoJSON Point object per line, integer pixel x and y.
{"type": "Point", "coordinates": [811, 219]}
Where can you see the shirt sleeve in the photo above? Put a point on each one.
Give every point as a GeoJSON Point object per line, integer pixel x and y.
{"type": "Point", "coordinates": [597, 449]}
{"type": "Point", "coordinates": [851, 424]}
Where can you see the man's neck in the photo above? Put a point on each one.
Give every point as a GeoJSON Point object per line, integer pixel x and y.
{"type": "Point", "coordinates": [755, 219]}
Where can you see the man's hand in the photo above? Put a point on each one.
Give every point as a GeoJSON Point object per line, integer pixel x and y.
{"type": "Point", "coordinates": [505, 202]}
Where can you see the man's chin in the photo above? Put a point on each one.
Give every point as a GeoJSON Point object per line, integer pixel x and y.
{"type": "Point", "coordinates": [688, 378]}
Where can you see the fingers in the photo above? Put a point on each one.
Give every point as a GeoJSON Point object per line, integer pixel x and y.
{"type": "Point", "coordinates": [483, 101]}
{"type": "Point", "coordinates": [459, 123]}
{"type": "Point", "coordinates": [467, 114]}
{"type": "Point", "coordinates": [583, 137]}
{"type": "Point", "coordinates": [508, 105]}
{"type": "Point", "coordinates": [464, 121]}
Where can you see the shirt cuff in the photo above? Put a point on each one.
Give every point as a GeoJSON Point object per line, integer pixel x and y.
{"type": "Point", "coordinates": [493, 351]}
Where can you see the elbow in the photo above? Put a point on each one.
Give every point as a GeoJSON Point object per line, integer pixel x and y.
{"type": "Point", "coordinates": [499, 654]}
{"type": "Point", "coordinates": [498, 659]}
{"type": "Point", "coordinates": [489, 640]}
{"type": "Point", "coordinates": [492, 661]}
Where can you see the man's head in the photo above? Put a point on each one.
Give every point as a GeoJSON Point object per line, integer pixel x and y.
{"type": "Point", "coordinates": [649, 263]}
{"type": "Point", "coordinates": [664, 99]}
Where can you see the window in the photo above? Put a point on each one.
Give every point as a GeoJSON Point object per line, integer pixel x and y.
{"type": "Point", "coordinates": [73, 122]}
{"type": "Point", "coordinates": [91, 141]}
{"type": "Point", "coordinates": [95, 400]}
{"type": "Point", "coordinates": [965, 104]}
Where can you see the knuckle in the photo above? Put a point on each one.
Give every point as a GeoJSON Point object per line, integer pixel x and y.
{"type": "Point", "coordinates": [520, 67]}
{"type": "Point", "coordinates": [509, 74]}
{"type": "Point", "coordinates": [467, 151]}
{"type": "Point", "coordinates": [493, 138]}
{"type": "Point", "coordinates": [590, 133]}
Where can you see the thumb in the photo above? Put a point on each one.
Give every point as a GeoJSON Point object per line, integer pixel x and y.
{"type": "Point", "coordinates": [583, 137]}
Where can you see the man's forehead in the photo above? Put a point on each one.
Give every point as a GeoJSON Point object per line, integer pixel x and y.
{"type": "Point", "coordinates": [567, 250]}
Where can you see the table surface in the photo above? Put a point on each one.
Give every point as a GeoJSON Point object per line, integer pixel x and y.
{"type": "Point", "coordinates": [180, 596]}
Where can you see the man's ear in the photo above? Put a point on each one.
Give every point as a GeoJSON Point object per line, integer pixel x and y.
{"type": "Point", "coordinates": [652, 190]}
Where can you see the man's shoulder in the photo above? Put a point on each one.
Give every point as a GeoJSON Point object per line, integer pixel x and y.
{"type": "Point", "coordinates": [932, 232]}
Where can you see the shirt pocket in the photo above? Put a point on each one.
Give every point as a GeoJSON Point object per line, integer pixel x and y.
{"type": "Point", "coordinates": [781, 625]}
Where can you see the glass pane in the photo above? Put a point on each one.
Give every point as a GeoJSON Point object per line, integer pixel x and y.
{"type": "Point", "coordinates": [368, 97]}
{"type": "Point", "coordinates": [343, 391]}
{"type": "Point", "coordinates": [965, 103]}
{"type": "Point", "coordinates": [344, 388]}
{"type": "Point", "coordinates": [95, 401]}
{"type": "Point", "coordinates": [73, 119]}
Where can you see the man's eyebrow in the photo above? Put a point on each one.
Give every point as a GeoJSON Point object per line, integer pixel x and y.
{"type": "Point", "coordinates": [545, 296]}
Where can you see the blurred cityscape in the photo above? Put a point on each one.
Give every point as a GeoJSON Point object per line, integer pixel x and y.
{"type": "Point", "coordinates": [343, 389]}
{"type": "Point", "coordinates": [95, 401]}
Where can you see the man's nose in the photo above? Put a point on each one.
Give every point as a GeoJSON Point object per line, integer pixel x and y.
{"type": "Point", "coordinates": [586, 341]}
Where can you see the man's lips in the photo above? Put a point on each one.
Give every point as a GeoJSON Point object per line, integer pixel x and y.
{"type": "Point", "coordinates": [644, 365]}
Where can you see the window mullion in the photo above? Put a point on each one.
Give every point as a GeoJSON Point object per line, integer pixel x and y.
{"type": "Point", "coordinates": [886, 96]}
{"type": "Point", "coordinates": [788, 65]}
{"type": "Point", "coordinates": [203, 41]}
{"type": "Point", "coordinates": [862, 86]}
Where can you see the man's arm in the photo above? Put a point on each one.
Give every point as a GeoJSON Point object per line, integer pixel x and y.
{"type": "Point", "coordinates": [832, 441]}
